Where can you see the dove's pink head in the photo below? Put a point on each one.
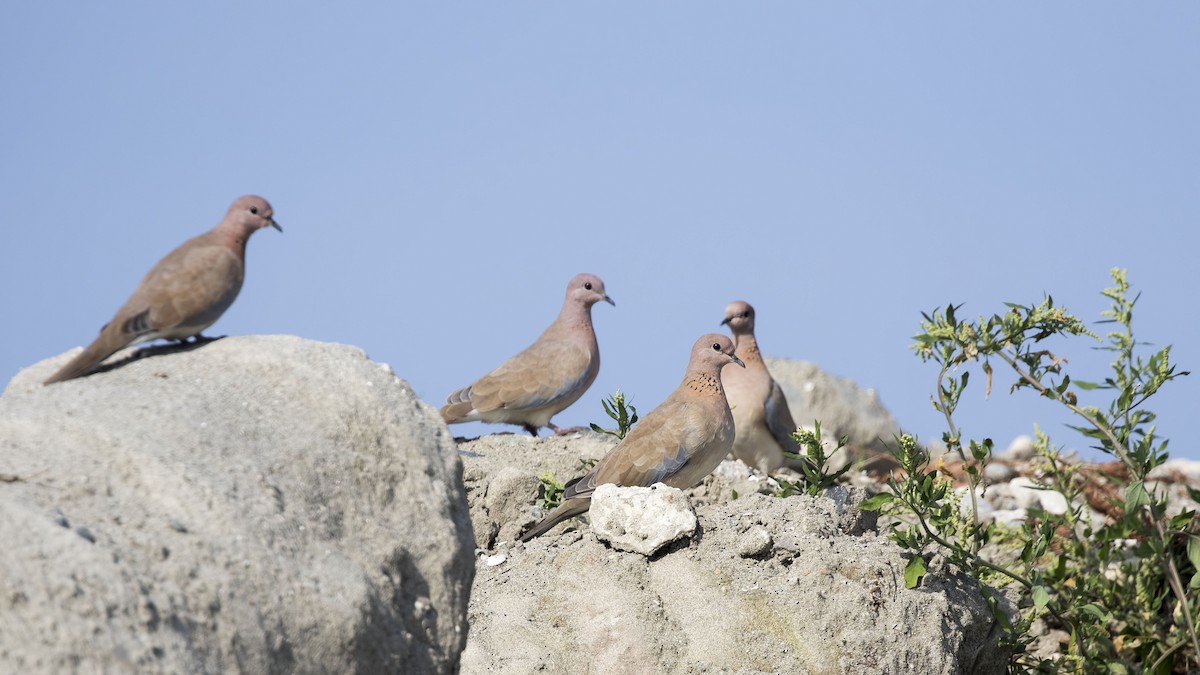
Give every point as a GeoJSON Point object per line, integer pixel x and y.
{"type": "Point", "coordinates": [250, 213]}
{"type": "Point", "coordinates": [711, 352]}
{"type": "Point", "coordinates": [740, 318]}
{"type": "Point", "coordinates": [586, 290]}
{"type": "Point", "coordinates": [245, 216]}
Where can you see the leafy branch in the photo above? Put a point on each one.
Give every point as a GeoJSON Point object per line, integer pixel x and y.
{"type": "Point", "coordinates": [1117, 586]}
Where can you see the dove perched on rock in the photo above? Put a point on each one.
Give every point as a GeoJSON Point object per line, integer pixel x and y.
{"type": "Point", "coordinates": [185, 292]}
{"type": "Point", "coordinates": [760, 410]}
{"type": "Point", "coordinates": [545, 378]}
{"type": "Point", "coordinates": [678, 443]}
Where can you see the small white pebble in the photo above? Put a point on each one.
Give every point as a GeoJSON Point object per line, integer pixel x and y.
{"type": "Point", "coordinates": [493, 560]}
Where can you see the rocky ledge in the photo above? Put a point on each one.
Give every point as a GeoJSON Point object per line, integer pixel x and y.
{"type": "Point", "coordinates": [760, 584]}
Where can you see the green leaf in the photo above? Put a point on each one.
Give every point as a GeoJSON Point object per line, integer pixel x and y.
{"type": "Point", "coordinates": [1135, 496]}
{"type": "Point", "coordinates": [914, 572]}
{"type": "Point", "coordinates": [877, 502]}
{"type": "Point", "coordinates": [998, 614]}
{"type": "Point", "coordinates": [1041, 597]}
{"type": "Point", "coordinates": [1062, 386]}
{"type": "Point", "coordinates": [1193, 493]}
{"type": "Point", "coordinates": [1193, 551]}
{"type": "Point", "coordinates": [1097, 611]}
{"type": "Point", "coordinates": [980, 451]}
{"type": "Point", "coordinates": [1181, 521]}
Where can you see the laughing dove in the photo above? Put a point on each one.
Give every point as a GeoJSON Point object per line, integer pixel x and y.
{"type": "Point", "coordinates": [678, 443]}
{"type": "Point", "coordinates": [547, 376]}
{"type": "Point", "coordinates": [760, 410]}
{"type": "Point", "coordinates": [186, 292]}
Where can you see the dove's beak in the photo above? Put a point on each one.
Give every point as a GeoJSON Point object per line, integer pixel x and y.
{"type": "Point", "coordinates": [274, 224]}
{"type": "Point", "coordinates": [727, 320]}
{"type": "Point", "coordinates": [610, 301]}
{"type": "Point", "coordinates": [737, 360]}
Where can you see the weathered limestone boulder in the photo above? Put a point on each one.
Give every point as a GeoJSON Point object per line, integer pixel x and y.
{"type": "Point", "coordinates": [794, 585]}
{"type": "Point", "coordinates": [844, 408]}
{"type": "Point", "coordinates": [254, 505]}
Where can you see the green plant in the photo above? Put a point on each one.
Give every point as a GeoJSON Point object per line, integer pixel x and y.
{"type": "Point", "coordinates": [624, 414]}
{"type": "Point", "coordinates": [813, 465]}
{"type": "Point", "coordinates": [551, 492]}
{"type": "Point", "coordinates": [1124, 589]}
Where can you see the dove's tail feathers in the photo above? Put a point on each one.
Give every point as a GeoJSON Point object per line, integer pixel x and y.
{"type": "Point", "coordinates": [458, 407]}
{"type": "Point", "coordinates": [104, 346]}
{"type": "Point", "coordinates": [568, 509]}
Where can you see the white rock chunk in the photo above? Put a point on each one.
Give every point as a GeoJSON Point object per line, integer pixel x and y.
{"type": "Point", "coordinates": [1027, 495]}
{"type": "Point", "coordinates": [1020, 448]}
{"type": "Point", "coordinates": [640, 519]}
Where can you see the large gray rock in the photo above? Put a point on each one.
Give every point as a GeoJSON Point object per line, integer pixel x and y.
{"type": "Point", "coordinates": [843, 408]}
{"type": "Point", "coordinates": [255, 505]}
{"type": "Point", "coordinates": [795, 585]}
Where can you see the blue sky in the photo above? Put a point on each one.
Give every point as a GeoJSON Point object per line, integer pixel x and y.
{"type": "Point", "coordinates": [441, 171]}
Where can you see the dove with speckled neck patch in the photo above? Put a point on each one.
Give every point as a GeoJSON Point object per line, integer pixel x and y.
{"type": "Point", "coordinates": [678, 443]}
{"type": "Point", "coordinates": [185, 292]}
{"type": "Point", "coordinates": [547, 376]}
{"type": "Point", "coordinates": [760, 410]}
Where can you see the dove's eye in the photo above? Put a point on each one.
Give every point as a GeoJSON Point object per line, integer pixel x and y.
{"type": "Point", "coordinates": [717, 346]}
{"type": "Point", "coordinates": [254, 210]}
{"type": "Point", "coordinates": [746, 313]}
{"type": "Point", "coordinates": [588, 285]}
